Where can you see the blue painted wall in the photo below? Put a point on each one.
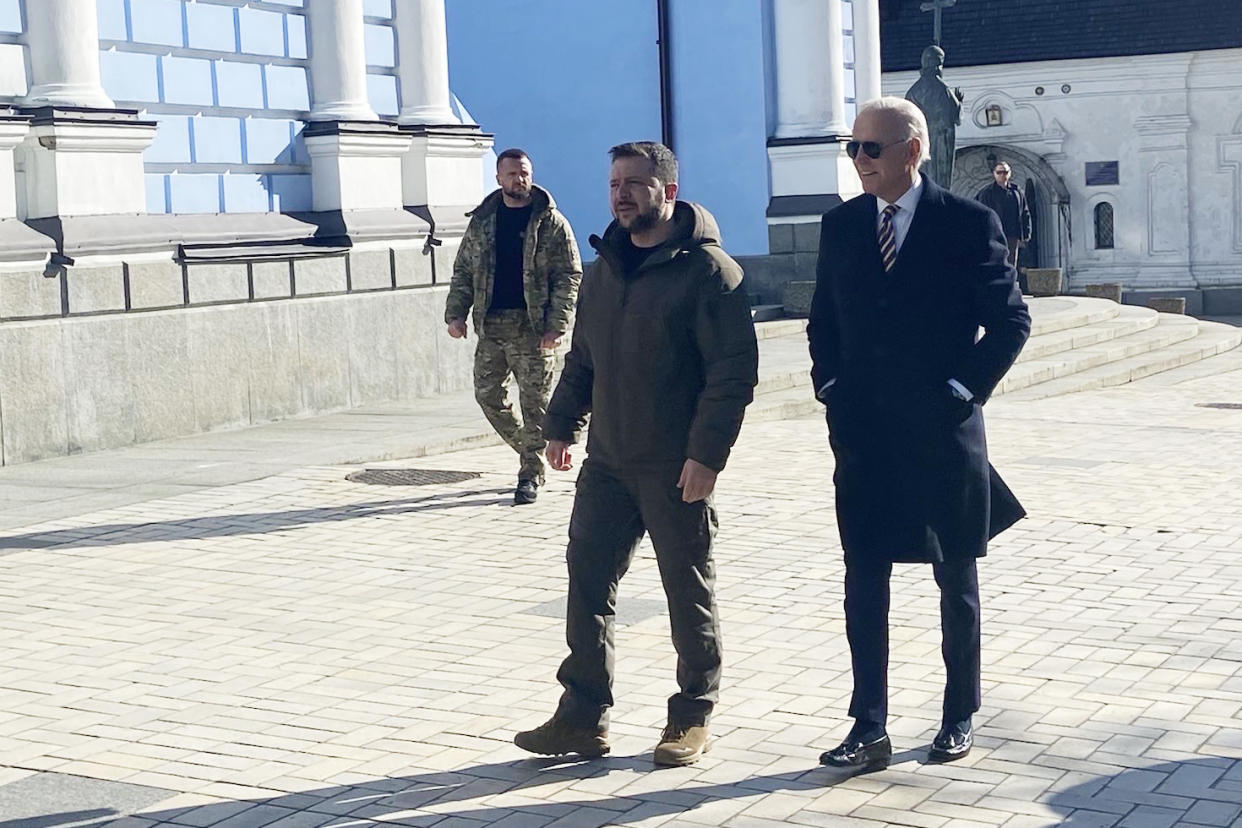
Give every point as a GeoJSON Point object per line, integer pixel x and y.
{"type": "Point", "coordinates": [720, 126]}
{"type": "Point", "coordinates": [565, 80]}
{"type": "Point", "coordinates": [575, 96]}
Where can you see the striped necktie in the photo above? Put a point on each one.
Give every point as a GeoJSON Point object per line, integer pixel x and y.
{"type": "Point", "coordinates": [888, 239]}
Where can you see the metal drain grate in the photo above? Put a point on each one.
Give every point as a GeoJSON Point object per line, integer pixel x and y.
{"type": "Point", "coordinates": [409, 477]}
{"type": "Point", "coordinates": [1228, 406]}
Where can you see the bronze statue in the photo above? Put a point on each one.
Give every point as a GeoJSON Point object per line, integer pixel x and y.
{"type": "Point", "coordinates": [943, 109]}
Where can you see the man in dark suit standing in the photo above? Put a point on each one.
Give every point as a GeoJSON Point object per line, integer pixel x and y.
{"type": "Point", "coordinates": [907, 275]}
{"type": "Point", "coordinates": [1006, 199]}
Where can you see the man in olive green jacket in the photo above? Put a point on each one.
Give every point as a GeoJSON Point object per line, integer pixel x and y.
{"type": "Point", "coordinates": [664, 361]}
{"type": "Point", "coordinates": [516, 276]}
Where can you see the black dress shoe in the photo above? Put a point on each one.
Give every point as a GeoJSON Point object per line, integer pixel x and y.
{"type": "Point", "coordinates": [953, 742]}
{"type": "Point", "coordinates": [855, 753]}
{"type": "Point", "coordinates": [526, 491]}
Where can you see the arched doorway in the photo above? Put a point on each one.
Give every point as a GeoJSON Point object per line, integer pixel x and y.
{"type": "Point", "coordinates": [1046, 193]}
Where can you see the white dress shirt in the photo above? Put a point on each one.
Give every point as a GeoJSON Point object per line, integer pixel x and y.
{"type": "Point", "coordinates": [906, 205]}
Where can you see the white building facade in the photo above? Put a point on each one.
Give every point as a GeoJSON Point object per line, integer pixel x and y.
{"type": "Point", "coordinates": [1136, 164]}
{"type": "Point", "coordinates": [216, 213]}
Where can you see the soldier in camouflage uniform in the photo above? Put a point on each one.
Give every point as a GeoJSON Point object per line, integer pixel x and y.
{"type": "Point", "coordinates": [517, 276]}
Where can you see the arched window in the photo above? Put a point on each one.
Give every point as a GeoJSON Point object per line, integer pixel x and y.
{"type": "Point", "coordinates": [1103, 226]}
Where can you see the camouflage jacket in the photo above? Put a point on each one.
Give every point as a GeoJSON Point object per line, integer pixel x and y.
{"type": "Point", "coordinates": [551, 266]}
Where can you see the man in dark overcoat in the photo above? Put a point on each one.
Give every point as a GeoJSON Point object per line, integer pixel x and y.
{"type": "Point", "coordinates": [907, 275]}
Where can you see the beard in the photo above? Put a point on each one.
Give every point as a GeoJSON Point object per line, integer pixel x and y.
{"type": "Point", "coordinates": [643, 220]}
{"type": "Point", "coordinates": [516, 193]}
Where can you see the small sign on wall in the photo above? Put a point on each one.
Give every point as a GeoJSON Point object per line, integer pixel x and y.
{"type": "Point", "coordinates": [1102, 173]}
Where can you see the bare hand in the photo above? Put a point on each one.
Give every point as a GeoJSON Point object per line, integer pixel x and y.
{"type": "Point", "coordinates": [457, 329]}
{"type": "Point", "coordinates": [558, 456]}
{"type": "Point", "coordinates": [697, 481]}
{"type": "Point", "coordinates": [549, 341]}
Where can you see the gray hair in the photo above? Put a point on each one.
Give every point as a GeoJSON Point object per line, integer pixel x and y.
{"type": "Point", "coordinates": [910, 117]}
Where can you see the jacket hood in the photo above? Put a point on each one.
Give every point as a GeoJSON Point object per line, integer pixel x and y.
{"type": "Point", "coordinates": [541, 199]}
{"type": "Point", "coordinates": [694, 226]}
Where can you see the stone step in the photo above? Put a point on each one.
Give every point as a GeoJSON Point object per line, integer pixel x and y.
{"type": "Point", "coordinates": [1129, 320]}
{"type": "Point", "coordinates": [1058, 324]}
{"type": "Point", "coordinates": [1155, 343]}
{"type": "Point", "coordinates": [1226, 361]}
{"type": "Point", "coordinates": [765, 329]}
{"type": "Point", "coordinates": [784, 404]}
{"type": "Point", "coordinates": [1059, 313]}
{"type": "Point", "coordinates": [1169, 331]}
{"type": "Point", "coordinates": [1210, 340]}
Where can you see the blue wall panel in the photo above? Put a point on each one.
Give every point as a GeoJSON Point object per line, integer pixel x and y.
{"type": "Point", "coordinates": [246, 193]}
{"type": "Point", "coordinates": [111, 18]}
{"type": "Point", "coordinates": [129, 76]}
{"type": "Point", "coordinates": [211, 27]}
{"type": "Point", "coordinates": [157, 193]}
{"type": "Point", "coordinates": [239, 84]}
{"type": "Point", "coordinates": [217, 140]}
{"type": "Point", "coordinates": [172, 141]}
{"type": "Point", "coordinates": [295, 25]}
{"type": "Point", "coordinates": [269, 141]}
{"type": "Point", "coordinates": [157, 21]}
{"type": "Point", "coordinates": [262, 32]}
{"type": "Point", "coordinates": [380, 46]}
{"type": "Point", "coordinates": [719, 122]}
{"type": "Point", "coordinates": [382, 95]}
{"type": "Point", "coordinates": [195, 193]}
{"type": "Point", "coordinates": [573, 97]}
{"type": "Point", "coordinates": [290, 193]}
{"type": "Point", "coordinates": [286, 87]}
{"type": "Point", "coordinates": [186, 80]}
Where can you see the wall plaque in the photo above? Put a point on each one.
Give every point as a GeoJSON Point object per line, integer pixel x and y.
{"type": "Point", "coordinates": [1102, 173]}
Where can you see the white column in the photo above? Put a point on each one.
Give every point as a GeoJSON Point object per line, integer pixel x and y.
{"type": "Point", "coordinates": [422, 62]}
{"type": "Point", "coordinates": [63, 39]}
{"type": "Point", "coordinates": [338, 62]}
{"type": "Point", "coordinates": [810, 68]}
{"type": "Point", "coordinates": [867, 50]}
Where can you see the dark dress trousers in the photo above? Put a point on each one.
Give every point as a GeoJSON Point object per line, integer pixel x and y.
{"type": "Point", "coordinates": [912, 478]}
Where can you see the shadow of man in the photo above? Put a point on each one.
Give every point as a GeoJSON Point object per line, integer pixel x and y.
{"type": "Point", "coordinates": [464, 798]}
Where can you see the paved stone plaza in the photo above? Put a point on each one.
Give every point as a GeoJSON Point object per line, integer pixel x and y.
{"type": "Point", "coordinates": [300, 650]}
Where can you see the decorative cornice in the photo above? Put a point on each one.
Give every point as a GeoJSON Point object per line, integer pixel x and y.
{"type": "Point", "coordinates": [1162, 124]}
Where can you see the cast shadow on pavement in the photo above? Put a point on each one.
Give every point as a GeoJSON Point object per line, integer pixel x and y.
{"type": "Point", "coordinates": [455, 799]}
{"type": "Point", "coordinates": [228, 525]}
{"type": "Point", "coordinates": [1204, 791]}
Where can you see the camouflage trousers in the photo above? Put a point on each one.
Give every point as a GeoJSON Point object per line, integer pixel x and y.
{"type": "Point", "coordinates": [510, 345]}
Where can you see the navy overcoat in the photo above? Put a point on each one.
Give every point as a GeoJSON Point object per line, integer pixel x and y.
{"type": "Point", "coordinates": [913, 482]}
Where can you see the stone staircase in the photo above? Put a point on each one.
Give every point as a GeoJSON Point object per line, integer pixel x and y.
{"type": "Point", "coordinates": [1076, 344]}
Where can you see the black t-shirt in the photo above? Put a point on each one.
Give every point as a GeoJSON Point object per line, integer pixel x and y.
{"type": "Point", "coordinates": [507, 292]}
{"type": "Point", "coordinates": [632, 256]}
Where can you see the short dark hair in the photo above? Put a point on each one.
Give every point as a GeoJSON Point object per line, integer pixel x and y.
{"type": "Point", "coordinates": [516, 154]}
{"type": "Point", "coordinates": [663, 162]}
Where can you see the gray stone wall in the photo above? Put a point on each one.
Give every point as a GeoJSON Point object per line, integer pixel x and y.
{"type": "Point", "coordinates": [794, 249]}
{"type": "Point", "coordinates": [108, 356]}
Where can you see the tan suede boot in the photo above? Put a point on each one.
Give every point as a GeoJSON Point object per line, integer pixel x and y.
{"type": "Point", "coordinates": [682, 745]}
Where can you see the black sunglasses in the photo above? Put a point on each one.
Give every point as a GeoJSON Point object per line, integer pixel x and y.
{"type": "Point", "coordinates": [872, 149]}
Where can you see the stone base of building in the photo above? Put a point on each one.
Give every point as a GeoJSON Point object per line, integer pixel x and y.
{"type": "Point", "coordinates": [101, 348]}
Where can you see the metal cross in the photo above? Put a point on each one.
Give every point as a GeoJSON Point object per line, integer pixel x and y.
{"type": "Point", "coordinates": [936, 6]}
